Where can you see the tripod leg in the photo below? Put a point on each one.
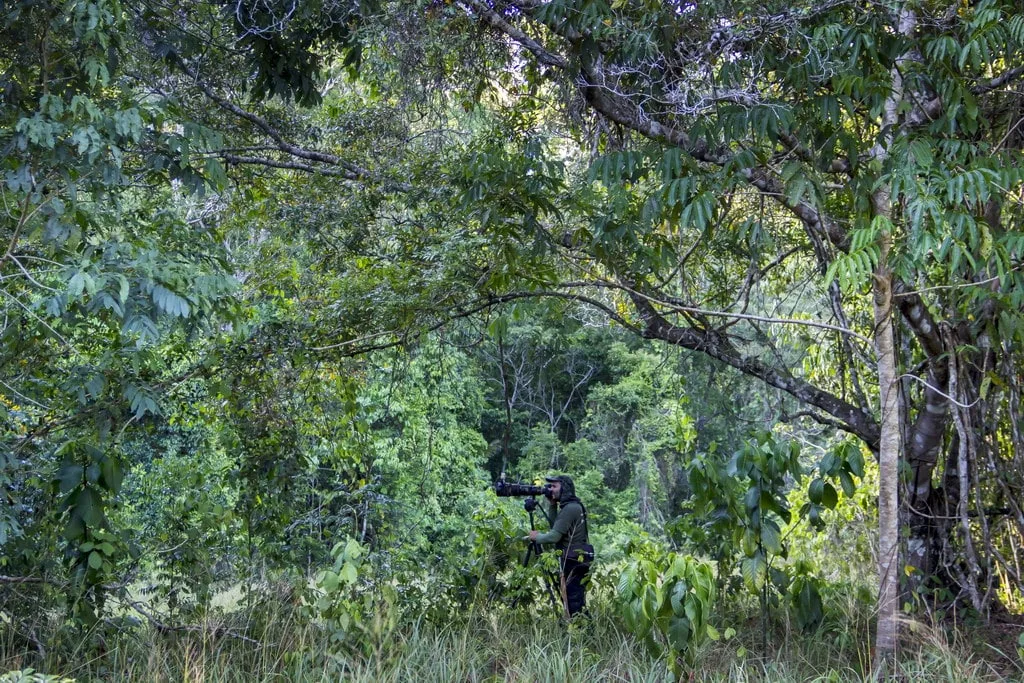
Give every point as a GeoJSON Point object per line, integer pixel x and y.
{"type": "Point", "coordinates": [565, 596]}
{"type": "Point", "coordinates": [534, 550]}
{"type": "Point", "coordinates": [548, 581]}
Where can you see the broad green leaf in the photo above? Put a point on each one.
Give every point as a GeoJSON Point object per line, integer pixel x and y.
{"type": "Point", "coordinates": [847, 483]}
{"type": "Point", "coordinates": [829, 497]}
{"type": "Point", "coordinates": [70, 476]}
{"type": "Point", "coordinates": [754, 570]}
{"type": "Point", "coordinates": [816, 490]}
{"type": "Point", "coordinates": [95, 560]}
{"type": "Point", "coordinates": [771, 537]}
{"type": "Point", "coordinates": [678, 634]}
{"type": "Point", "coordinates": [856, 461]}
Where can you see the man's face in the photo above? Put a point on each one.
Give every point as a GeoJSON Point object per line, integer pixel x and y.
{"type": "Point", "coordinates": [556, 490]}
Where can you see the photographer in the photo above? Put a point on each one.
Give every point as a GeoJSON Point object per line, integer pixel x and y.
{"type": "Point", "coordinates": [568, 520]}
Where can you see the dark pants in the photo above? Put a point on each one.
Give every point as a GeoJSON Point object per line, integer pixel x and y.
{"type": "Point", "coordinates": [575, 594]}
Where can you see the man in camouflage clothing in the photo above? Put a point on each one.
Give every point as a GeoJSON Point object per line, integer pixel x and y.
{"type": "Point", "coordinates": [569, 534]}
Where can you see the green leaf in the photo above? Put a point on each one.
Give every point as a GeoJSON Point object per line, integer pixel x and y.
{"type": "Point", "coordinates": [749, 542]}
{"type": "Point", "coordinates": [112, 473]}
{"type": "Point", "coordinates": [922, 153]}
{"type": "Point", "coordinates": [753, 498]}
{"type": "Point", "coordinates": [170, 302]}
{"type": "Point", "coordinates": [76, 284]}
{"type": "Point", "coordinates": [95, 560]}
{"type": "Point", "coordinates": [70, 475]}
{"type": "Point", "coordinates": [816, 490]}
{"type": "Point", "coordinates": [678, 634]}
{"type": "Point", "coordinates": [855, 459]}
{"type": "Point", "coordinates": [847, 483]}
{"type": "Point", "coordinates": [122, 291]}
{"type": "Point", "coordinates": [828, 463]}
{"type": "Point", "coordinates": [329, 582]}
{"type": "Point", "coordinates": [678, 597]}
{"type": "Point", "coordinates": [754, 570]}
{"type": "Point", "coordinates": [829, 497]}
{"type": "Point", "coordinates": [89, 507]}
{"type": "Point", "coordinates": [771, 537]}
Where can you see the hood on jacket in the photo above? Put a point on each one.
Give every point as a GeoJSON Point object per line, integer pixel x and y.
{"type": "Point", "coordinates": [568, 487]}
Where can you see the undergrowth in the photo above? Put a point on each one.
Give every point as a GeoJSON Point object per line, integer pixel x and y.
{"type": "Point", "coordinates": [275, 642]}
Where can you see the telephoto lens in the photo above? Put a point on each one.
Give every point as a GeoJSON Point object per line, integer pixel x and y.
{"type": "Point", "coordinates": [505, 489]}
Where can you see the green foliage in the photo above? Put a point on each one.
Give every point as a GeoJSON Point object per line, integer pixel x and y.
{"type": "Point", "coordinates": [844, 463]}
{"type": "Point", "coordinates": [358, 611]}
{"type": "Point", "coordinates": [495, 570]}
{"type": "Point", "coordinates": [109, 277]}
{"type": "Point", "coordinates": [744, 516]}
{"type": "Point", "coordinates": [179, 408]}
{"type": "Point", "coordinates": [766, 465]}
{"type": "Point", "coordinates": [666, 599]}
{"type": "Point", "coordinates": [32, 676]}
{"type": "Point", "coordinates": [805, 599]}
{"type": "Point", "coordinates": [180, 516]}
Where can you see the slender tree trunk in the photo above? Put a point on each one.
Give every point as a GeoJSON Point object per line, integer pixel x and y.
{"type": "Point", "coordinates": [886, 637]}
{"type": "Point", "coordinates": [961, 418]}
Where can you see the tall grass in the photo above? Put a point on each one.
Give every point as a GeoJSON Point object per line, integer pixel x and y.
{"type": "Point", "coordinates": [277, 643]}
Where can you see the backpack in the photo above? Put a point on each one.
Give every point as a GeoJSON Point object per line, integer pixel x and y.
{"type": "Point", "coordinates": [586, 554]}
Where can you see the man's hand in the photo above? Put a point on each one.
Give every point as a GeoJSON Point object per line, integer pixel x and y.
{"type": "Point", "coordinates": [532, 535]}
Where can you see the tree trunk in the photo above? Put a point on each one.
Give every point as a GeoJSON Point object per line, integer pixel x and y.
{"type": "Point", "coordinates": [888, 466]}
{"type": "Point", "coordinates": [887, 635]}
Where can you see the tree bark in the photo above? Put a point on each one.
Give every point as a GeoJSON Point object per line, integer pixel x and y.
{"type": "Point", "coordinates": [887, 634]}
{"type": "Point", "coordinates": [888, 465]}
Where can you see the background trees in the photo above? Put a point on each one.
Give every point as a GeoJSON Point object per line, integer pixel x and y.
{"type": "Point", "coordinates": [334, 265]}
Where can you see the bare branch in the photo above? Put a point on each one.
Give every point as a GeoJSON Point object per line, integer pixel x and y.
{"type": "Point", "coordinates": [494, 19]}
{"type": "Point", "coordinates": [999, 81]}
{"type": "Point", "coordinates": [21, 579]}
{"type": "Point", "coordinates": [288, 165]}
{"type": "Point", "coordinates": [352, 171]}
{"type": "Point", "coordinates": [399, 337]}
{"type": "Point", "coordinates": [693, 310]}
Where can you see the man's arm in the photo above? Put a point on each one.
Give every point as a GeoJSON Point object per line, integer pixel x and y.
{"type": "Point", "coordinates": [567, 517]}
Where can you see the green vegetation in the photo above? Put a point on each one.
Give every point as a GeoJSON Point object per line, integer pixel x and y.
{"type": "Point", "coordinates": [285, 286]}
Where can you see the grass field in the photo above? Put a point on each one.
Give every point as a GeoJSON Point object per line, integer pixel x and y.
{"type": "Point", "coordinates": [276, 644]}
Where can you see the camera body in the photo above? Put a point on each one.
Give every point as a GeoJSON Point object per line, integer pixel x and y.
{"type": "Point", "coordinates": [506, 489]}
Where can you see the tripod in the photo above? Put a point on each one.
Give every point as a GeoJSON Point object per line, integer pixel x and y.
{"type": "Point", "coordinates": [534, 550]}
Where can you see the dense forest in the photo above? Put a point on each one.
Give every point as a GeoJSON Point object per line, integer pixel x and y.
{"type": "Point", "coordinates": [286, 286]}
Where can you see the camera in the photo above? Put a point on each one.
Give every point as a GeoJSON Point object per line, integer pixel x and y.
{"type": "Point", "coordinates": [507, 489]}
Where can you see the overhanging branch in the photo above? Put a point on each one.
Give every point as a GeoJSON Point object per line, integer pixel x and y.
{"type": "Point", "coordinates": [335, 164]}
{"type": "Point", "coordinates": [399, 337]}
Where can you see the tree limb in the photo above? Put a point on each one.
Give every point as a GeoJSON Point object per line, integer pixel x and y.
{"type": "Point", "coordinates": [854, 420]}
{"type": "Point", "coordinates": [288, 165]}
{"type": "Point", "coordinates": [351, 171]}
{"type": "Point", "coordinates": [496, 20]}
